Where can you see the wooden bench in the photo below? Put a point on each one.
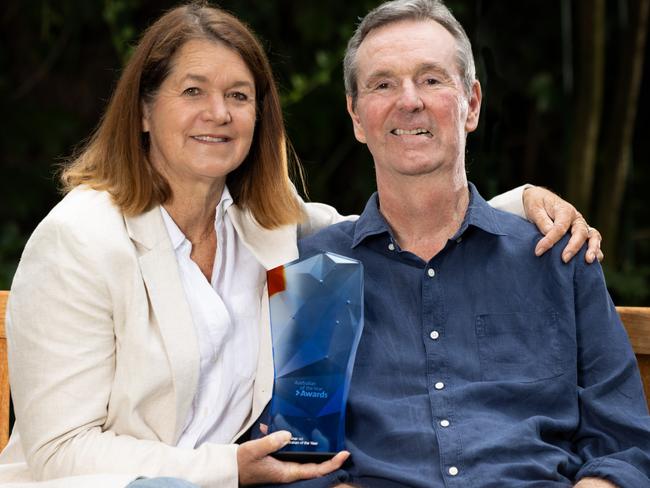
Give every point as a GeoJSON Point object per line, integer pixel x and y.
{"type": "Point", "coordinates": [635, 319]}
{"type": "Point", "coordinates": [637, 323]}
{"type": "Point", "coordinates": [5, 402]}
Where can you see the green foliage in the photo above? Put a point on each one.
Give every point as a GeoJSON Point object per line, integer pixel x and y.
{"type": "Point", "coordinates": [629, 286]}
{"type": "Point", "coordinates": [59, 60]}
{"type": "Point", "coordinates": [118, 15]}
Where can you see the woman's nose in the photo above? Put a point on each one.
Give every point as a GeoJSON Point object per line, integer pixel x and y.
{"type": "Point", "coordinates": [218, 111]}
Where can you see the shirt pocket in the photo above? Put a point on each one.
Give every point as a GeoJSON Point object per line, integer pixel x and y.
{"type": "Point", "coordinates": [519, 346]}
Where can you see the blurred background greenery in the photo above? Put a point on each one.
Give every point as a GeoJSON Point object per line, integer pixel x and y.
{"type": "Point", "coordinates": [566, 86]}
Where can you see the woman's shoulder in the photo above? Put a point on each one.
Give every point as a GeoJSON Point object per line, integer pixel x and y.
{"type": "Point", "coordinates": [84, 202]}
{"type": "Point", "coordinates": [83, 215]}
{"type": "Point", "coordinates": [320, 216]}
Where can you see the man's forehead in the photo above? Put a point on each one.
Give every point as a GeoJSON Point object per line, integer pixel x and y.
{"type": "Point", "coordinates": [414, 43]}
{"type": "Point", "coordinates": [408, 30]}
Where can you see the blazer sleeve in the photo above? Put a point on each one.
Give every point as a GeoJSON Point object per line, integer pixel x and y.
{"type": "Point", "coordinates": [511, 201]}
{"type": "Point", "coordinates": [62, 356]}
{"type": "Point", "coordinates": [319, 216]}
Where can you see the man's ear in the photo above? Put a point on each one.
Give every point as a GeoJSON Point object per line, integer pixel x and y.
{"type": "Point", "coordinates": [359, 133]}
{"type": "Point", "coordinates": [146, 114]}
{"type": "Point", "coordinates": [474, 107]}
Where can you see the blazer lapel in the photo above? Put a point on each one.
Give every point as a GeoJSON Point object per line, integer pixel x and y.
{"type": "Point", "coordinates": [271, 247]}
{"type": "Point", "coordinates": [161, 276]}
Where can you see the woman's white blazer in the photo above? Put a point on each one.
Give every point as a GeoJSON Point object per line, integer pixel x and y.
{"type": "Point", "coordinates": [103, 355]}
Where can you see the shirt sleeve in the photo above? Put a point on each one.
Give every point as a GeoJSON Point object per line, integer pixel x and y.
{"type": "Point", "coordinates": [511, 201]}
{"type": "Point", "coordinates": [613, 436]}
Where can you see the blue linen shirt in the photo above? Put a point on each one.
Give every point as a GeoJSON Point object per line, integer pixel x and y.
{"type": "Point", "coordinates": [486, 366]}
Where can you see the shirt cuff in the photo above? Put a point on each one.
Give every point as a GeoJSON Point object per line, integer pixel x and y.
{"type": "Point", "coordinates": [621, 473]}
{"type": "Point", "coordinates": [511, 201]}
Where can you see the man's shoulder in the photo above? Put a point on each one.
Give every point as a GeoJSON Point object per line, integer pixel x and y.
{"type": "Point", "coordinates": [335, 238]}
{"type": "Point", "coordinates": [513, 224]}
{"type": "Point", "coordinates": [520, 237]}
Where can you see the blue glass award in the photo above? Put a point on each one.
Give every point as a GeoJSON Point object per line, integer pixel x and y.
{"type": "Point", "coordinates": [316, 323]}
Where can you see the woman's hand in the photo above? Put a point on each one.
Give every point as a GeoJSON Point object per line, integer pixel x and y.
{"type": "Point", "coordinates": [594, 483]}
{"type": "Point", "coordinates": [553, 217]}
{"type": "Point", "coordinates": [256, 465]}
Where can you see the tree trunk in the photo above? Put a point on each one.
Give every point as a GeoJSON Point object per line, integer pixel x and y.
{"type": "Point", "coordinates": [589, 82]}
{"type": "Point", "coordinates": [620, 127]}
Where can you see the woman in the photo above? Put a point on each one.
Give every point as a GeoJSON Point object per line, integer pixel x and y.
{"type": "Point", "coordinates": [138, 317]}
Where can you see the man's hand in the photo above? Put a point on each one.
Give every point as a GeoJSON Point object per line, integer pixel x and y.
{"type": "Point", "coordinates": [594, 483]}
{"type": "Point", "coordinates": [553, 217]}
{"type": "Point", "coordinates": [256, 465]}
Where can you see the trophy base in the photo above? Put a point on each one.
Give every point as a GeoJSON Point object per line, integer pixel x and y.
{"type": "Point", "coordinates": [303, 457]}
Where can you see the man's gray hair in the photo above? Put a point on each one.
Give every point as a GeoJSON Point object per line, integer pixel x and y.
{"type": "Point", "coordinates": [395, 11]}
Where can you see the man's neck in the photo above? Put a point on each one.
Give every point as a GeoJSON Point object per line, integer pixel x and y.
{"type": "Point", "coordinates": [424, 212]}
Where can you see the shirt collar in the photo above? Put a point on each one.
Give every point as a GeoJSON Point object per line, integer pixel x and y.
{"type": "Point", "coordinates": [225, 202]}
{"type": "Point", "coordinates": [479, 214]}
{"type": "Point", "coordinates": [176, 235]}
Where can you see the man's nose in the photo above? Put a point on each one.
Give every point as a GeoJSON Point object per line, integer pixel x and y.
{"type": "Point", "coordinates": [409, 98]}
{"type": "Point", "coordinates": [217, 110]}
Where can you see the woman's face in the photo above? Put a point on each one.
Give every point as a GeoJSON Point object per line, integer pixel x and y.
{"type": "Point", "coordinates": [201, 120]}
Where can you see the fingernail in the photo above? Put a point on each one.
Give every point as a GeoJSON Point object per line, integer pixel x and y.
{"type": "Point", "coordinates": [566, 257]}
{"type": "Point", "coordinates": [590, 256]}
{"type": "Point", "coordinates": [283, 437]}
{"type": "Point", "coordinates": [539, 250]}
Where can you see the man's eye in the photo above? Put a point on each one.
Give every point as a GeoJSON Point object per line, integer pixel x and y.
{"type": "Point", "coordinates": [431, 81]}
{"type": "Point", "coordinates": [192, 91]}
{"type": "Point", "coordinates": [382, 86]}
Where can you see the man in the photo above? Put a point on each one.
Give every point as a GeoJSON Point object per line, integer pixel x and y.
{"type": "Point", "coordinates": [480, 365]}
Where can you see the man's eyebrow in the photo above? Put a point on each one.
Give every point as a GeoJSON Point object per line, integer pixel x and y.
{"type": "Point", "coordinates": [378, 74]}
{"type": "Point", "coordinates": [432, 66]}
{"type": "Point", "coordinates": [422, 68]}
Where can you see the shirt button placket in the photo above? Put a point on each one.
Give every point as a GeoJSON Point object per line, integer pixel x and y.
{"type": "Point", "coordinates": [444, 423]}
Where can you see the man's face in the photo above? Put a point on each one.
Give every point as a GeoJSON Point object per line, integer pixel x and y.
{"type": "Point", "coordinates": [412, 110]}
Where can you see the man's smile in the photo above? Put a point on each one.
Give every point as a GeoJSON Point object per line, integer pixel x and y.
{"type": "Point", "coordinates": [411, 132]}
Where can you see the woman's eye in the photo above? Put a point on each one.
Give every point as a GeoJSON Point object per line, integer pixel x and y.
{"type": "Point", "coordinates": [239, 96]}
{"type": "Point", "coordinates": [192, 91]}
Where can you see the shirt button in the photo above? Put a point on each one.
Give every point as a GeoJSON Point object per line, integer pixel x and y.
{"type": "Point", "coordinates": [444, 423]}
{"type": "Point", "coordinates": [434, 335]}
{"type": "Point", "coordinates": [391, 246]}
{"type": "Point", "coordinates": [431, 272]}
{"type": "Point", "coordinates": [439, 385]}
{"type": "Point", "coordinates": [453, 470]}
{"type": "Point", "coordinates": [459, 240]}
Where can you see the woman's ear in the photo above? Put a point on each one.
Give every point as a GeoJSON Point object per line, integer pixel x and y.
{"type": "Point", "coordinates": [145, 116]}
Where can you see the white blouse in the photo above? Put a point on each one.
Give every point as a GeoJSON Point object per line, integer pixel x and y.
{"type": "Point", "coordinates": [226, 315]}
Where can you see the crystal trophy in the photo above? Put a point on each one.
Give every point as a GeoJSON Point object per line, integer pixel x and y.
{"type": "Point", "coordinates": [316, 309]}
